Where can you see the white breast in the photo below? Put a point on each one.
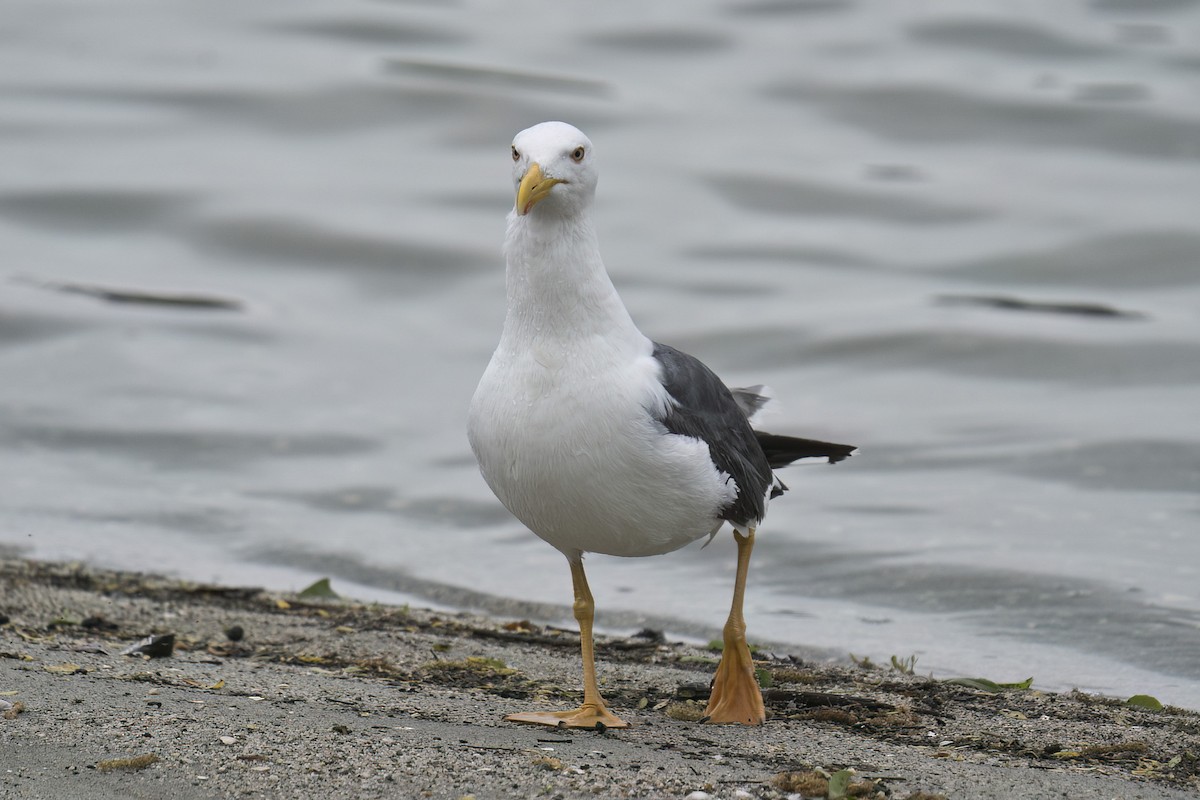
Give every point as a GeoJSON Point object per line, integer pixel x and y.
{"type": "Point", "coordinates": [566, 439]}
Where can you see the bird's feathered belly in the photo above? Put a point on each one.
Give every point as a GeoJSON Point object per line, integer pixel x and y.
{"type": "Point", "coordinates": [571, 445]}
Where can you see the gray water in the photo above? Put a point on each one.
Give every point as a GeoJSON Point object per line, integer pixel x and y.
{"type": "Point", "coordinates": [962, 236]}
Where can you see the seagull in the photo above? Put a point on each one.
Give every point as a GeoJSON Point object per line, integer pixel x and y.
{"type": "Point", "coordinates": [601, 440]}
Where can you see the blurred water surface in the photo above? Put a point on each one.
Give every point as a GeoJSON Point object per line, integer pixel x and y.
{"type": "Point", "coordinates": [963, 236]}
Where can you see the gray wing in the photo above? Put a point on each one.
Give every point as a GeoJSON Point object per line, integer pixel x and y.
{"type": "Point", "coordinates": [706, 409]}
{"type": "Point", "coordinates": [749, 399]}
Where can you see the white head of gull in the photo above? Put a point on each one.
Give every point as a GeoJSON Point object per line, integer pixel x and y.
{"type": "Point", "coordinates": [603, 441]}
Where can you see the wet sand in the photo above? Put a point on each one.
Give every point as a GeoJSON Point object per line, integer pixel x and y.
{"type": "Point", "coordinates": [332, 698]}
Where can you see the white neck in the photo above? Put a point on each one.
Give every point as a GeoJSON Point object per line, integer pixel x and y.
{"type": "Point", "coordinates": [558, 288]}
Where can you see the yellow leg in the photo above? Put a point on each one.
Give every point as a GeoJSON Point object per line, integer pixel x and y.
{"type": "Point", "coordinates": [593, 713]}
{"type": "Point", "coordinates": [735, 694]}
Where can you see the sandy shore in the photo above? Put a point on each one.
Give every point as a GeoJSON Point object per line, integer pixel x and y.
{"type": "Point", "coordinates": [333, 699]}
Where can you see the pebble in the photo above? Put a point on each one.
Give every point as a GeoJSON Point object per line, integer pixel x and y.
{"type": "Point", "coordinates": [154, 646]}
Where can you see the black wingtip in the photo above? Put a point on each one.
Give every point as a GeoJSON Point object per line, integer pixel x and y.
{"type": "Point", "coordinates": [784, 450]}
{"type": "Point", "coordinates": [844, 451]}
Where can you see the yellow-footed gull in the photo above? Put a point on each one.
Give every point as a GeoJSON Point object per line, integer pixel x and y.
{"type": "Point", "coordinates": [603, 441]}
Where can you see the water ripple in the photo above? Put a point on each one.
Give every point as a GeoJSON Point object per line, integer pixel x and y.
{"type": "Point", "coordinates": [457, 511]}
{"type": "Point", "coordinates": [661, 42]}
{"type": "Point", "coordinates": [92, 209]}
{"type": "Point", "coordinates": [1016, 357]}
{"type": "Point", "coordinates": [796, 197]}
{"type": "Point", "coordinates": [319, 110]}
{"type": "Point", "coordinates": [1136, 260]}
{"type": "Point", "coordinates": [1090, 616]}
{"type": "Point", "coordinates": [1138, 465]}
{"type": "Point", "coordinates": [170, 449]}
{"type": "Point", "coordinates": [1144, 6]}
{"type": "Point", "coordinates": [476, 77]}
{"type": "Point", "coordinates": [374, 30]}
{"type": "Point", "coordinates": [933, 114]}
{"type": "Point", "coordinates": [1004, 37]}
{"type": "Point", "coordinates": [382, 262]}
{"type": "Point", "coordinates": [781, 8]}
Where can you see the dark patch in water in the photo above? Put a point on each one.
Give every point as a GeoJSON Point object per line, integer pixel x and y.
{"type": "Point", "coordinates": [712, 288]}
{"type": "Point", "coordinates": [491, 200]}
{"type": "Point", "coordinates": [1127, 465]}
{"type": "Point", "coordinates": [225, 330]}
{"type": "Point", "coordinates": [1140, 34]}
{"type": "Point", "coordinates": [897, 173]}
{"type": "Point", "coordinates": [374, 31]}
{"type": "Point", "coordinates": [1111, 93]}
{"type": "Point", "coordinates": [773, 8]}
{"type": "Point", "coordinates": [95, 210]}
{"type": "Point", "coordinates": [1090, 616]}
{"type": "Point", "coordinates": [204, 523]}
{"type": "Point", "coordinates": [1186, 63]}
{"type": "Point", "coordinates": [184, 449]}
{"type": "Point", "coordinates": [1143, 6]}
{"type": "Point", "coordinates": [394, 263]}
{"type": "Point", "coordinates": [1004, 37]}
{"type": "Point", "coordinates": [1093, 310]}
{"type": "Point", "coordinates": [1139, 260]}
{"type": "Point", "coordinates": [794, 197]}
{"type": "Point", "coordinates": [797, 255]}
{"type": "Point", "coordinates": [956, 352]}
{"type": "Point", "coordinates": [141, 297]}
{"type": "Point", "coordinates": [20, 327]}
{"type": "Point", "coordinates": [916, 113]}
{"type": "Point", "coordinates": [745, 287]}
{"type": "Point", "coordinates": [883, 510]}
{"type": "Point", "coordinates": [455, 511]}
{"type": "Point", "coordinates": [666, 41]}
{"type": "Point", "coordinates": [483, 77]}
{"type": "Point", "coordinates": [322, 110]}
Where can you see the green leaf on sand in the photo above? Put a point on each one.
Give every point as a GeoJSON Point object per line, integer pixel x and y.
{"type": "Point", "coordinates": [984, 685]}
{"type": "Point", "coordinates": [697, 660]}
{"type": "Point", "coordinates": [1144, 701]}
{"type": "Point", "coordinates": [320, 588]}
{"type": "Point", "coordinates": [839, 784]}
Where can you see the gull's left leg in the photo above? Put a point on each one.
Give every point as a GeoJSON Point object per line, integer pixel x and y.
{"type": "Point", "coordinates": [593, 713]}
{"type": "Point", "coordinates": [735, 694]}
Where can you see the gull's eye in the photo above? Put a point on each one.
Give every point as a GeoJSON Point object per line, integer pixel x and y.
{"type": "Point", "coordinates": [516, 155]}
{"type": "Point", "coordinates": [577, 154]}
